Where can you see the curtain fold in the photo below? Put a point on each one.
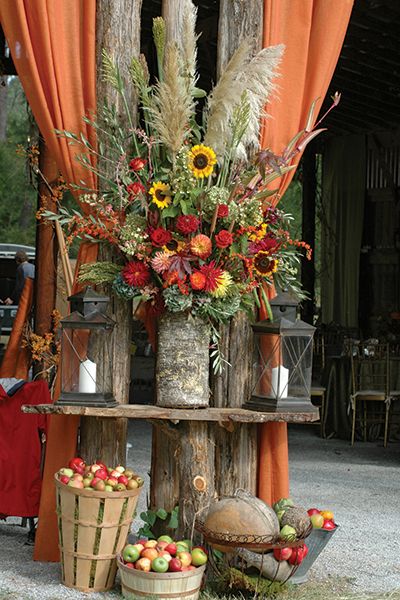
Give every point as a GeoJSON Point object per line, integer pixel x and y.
{"type": "Point", "coordinates": [52, 44]}
{"type": "Point", "coordinates": [313, 32]}
{"type": "Point", "coordinates": [343, 185]}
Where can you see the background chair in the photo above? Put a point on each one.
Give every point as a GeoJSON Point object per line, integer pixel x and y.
{"type": "Point", "coordinates": [318, 391]}
{"type": "Point", "coordinates": [370, 398]}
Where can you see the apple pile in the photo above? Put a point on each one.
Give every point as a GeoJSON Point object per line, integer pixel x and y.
{"type": "Point", "coordinates": [163, 554]}
{"type": "Point", "coordinates": [98, 476]}
{"type": "Point", "coordinates": [322, 519]}
{"type": "Point", "coordinates": [294, 556]}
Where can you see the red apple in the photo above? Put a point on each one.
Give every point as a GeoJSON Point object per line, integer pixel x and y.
{"type": "Point", "coordinates": [100, 486]}
{"type": "Point", "coordinates": [143, 564]}
{"type": "Point", "coordinates": [115, 474]}
{"type": "Point", "coordinates": [94, 482]}
{"type": "Point", "coordinates": [130, 565]}
{"type": "Point", "coordinates": [175, 565]}
{"type": "Point", "coordinates": [77, 464]}
{"type": "Point", "coordinates": [102, 474]}
{"type": "Point", "coordinates": [185, 558]}
{"type": "Point", "coordinates": [282, 553]}
{"type": "Point", "coordinates": [122, 479]}
{"type": "Point", "coordinates": [328, 524]}
{"type": "Point", "coordinates": [171, 548]}
{"type": "Point", "coordinates": [101, 464]}
{"type": "Point", "coordinates": [313, 511]}
{"type": "Point", "coordinates": [64, 479]}
{"type": "Point", "coordinates": [150, 553]}
{"type": "Point", "coordinates": [161, 545]}
{"type": "Point", "coordinates": [297, 556]}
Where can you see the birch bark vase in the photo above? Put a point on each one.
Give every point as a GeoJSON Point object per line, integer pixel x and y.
{"type": "Point", "coordinates": [182, 366]}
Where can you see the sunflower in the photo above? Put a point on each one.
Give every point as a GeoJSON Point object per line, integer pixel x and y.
{"type": "Point", "coordinates": [264, 264]}
{"type": "Point", "coordinates": [202, 160]}
{"type": "Point", "coordinates": [161, 194]}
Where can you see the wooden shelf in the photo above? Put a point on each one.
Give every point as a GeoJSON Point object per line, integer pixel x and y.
{"type": "Point", "coordinates": [140, 411]}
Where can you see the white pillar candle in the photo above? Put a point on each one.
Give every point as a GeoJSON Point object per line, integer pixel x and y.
{"type": "Point", "coordinates": [279, 381]}
{"type": "Point", "coordinates": [87, 377]}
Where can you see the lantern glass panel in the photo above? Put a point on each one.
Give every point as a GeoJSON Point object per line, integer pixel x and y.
{"type": "Point", "coordinates": [282, 368]}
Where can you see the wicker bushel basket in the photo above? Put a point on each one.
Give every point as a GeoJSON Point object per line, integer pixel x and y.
{"type": "Point", "coordinates": [184, 585]}
{"type": "Point", "coordinates": [93, 528]}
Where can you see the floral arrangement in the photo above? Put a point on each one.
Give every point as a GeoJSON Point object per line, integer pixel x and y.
{"type": "Point", "coordinates": [187, 206]}
{"type": "Point", "coordinates": [46, 348]}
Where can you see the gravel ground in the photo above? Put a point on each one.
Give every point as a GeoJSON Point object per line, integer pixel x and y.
{"type": "Point", "coordinates": [360, 484]}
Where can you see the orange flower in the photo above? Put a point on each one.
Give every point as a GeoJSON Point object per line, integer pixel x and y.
{"type": "Point", "coordinates": [201, 246]}
{"type": "Point", "coordinates": [198, 280]}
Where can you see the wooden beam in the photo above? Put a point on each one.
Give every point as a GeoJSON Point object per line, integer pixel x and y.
{"type": "Point", "coordinates": [308, 231]}
{"type": "Point", "coordinates": [175, 415]}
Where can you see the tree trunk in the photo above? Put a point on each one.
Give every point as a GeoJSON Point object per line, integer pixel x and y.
{"type": "Point", "coordinates": [236, 450]}
{"type": "Point", "coordinates": [238, 19]}
{"type": "Point", "coordinates": [182, 362]}
{"type": "Point", "coordinates": [3, 108]}
{"type": "Point", "coordinates": [117, 32]}
{"type": "Point", "coordinates": [46, 250]}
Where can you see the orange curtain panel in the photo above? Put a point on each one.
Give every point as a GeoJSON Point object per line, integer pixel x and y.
{"type": "Point", "coordinates": [52, 43]}
{"type": "Point", "coordinates": [313, 32]}
{"type": "Point", "coordinates": [17, 360]}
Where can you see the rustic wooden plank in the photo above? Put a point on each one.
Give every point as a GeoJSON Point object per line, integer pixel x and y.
{"type": "Point", "coordinates": [140, 411]}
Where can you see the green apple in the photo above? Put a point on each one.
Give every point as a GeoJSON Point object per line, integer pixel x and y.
{"type": "Point", "coordinates": [181, 547]}
{"type": "Point", "coordinates": [288, 533]}
{"type": "Point", "coordinates": [159, 565]}
{"type": "Point", "coordinates": [130, 553]}
{"type": "Point", "coordinates": [317, 521]}
{"type": "Point", "coordinates": [199, 557]}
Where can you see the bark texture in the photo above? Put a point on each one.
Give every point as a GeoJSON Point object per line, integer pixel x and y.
{"type": "Point", "coordinates": [182, 361]}
{"type": "Point", "coordinates": [117, 32]}
{"type": "Point", "coordinates": [238, 19]}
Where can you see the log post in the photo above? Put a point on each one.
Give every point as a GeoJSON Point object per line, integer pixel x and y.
{"type": "Point", "coordinates": [117, 32]}
{"type": "Point", "coordinates": [208, 459]}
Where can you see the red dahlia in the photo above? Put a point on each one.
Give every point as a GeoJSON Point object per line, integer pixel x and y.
{"type": "Point", "coordinates": [136, 273]}
{"type": "Point", "coordinates": [223, 239]}
{"type": "Point", "coordinates": [211, 273]}
{"type": "Point", "coordinates": [223, 211]}
{"type": "Point", "coordinates": [134, 189]}
{"type": "Point", "coordinates": [137, 163]}
{"type": "Point", "coordinates": [160, 236]}
{"type": "Point", "coordinates": [186, 224]}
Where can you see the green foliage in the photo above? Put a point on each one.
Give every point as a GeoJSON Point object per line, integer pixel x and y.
{"type": "Point", "coordinates": [17, 196]}
{"type": "Point", "coordinates": [149, 518]}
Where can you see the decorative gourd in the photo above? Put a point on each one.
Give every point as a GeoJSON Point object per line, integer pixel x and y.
{"type": "Point", "coordinates": [241, 515]}
{"type": "Point", "coordinates": [296, 517]}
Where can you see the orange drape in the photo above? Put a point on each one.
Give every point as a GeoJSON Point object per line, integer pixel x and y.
{"type": "Point", "coordinates": [17, 360]}
{"type": "Point", "coordinates": [53, 48]}
{"type": "Point", "coordinates": [313, 32]}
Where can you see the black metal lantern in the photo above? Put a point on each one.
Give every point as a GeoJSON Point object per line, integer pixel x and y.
{"type": "Point", "coordinates": [86, 352]}
{"type": "Point", "coordinates": [284, 305]}
{"type": "Point", "coordinates": [282, 366]}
